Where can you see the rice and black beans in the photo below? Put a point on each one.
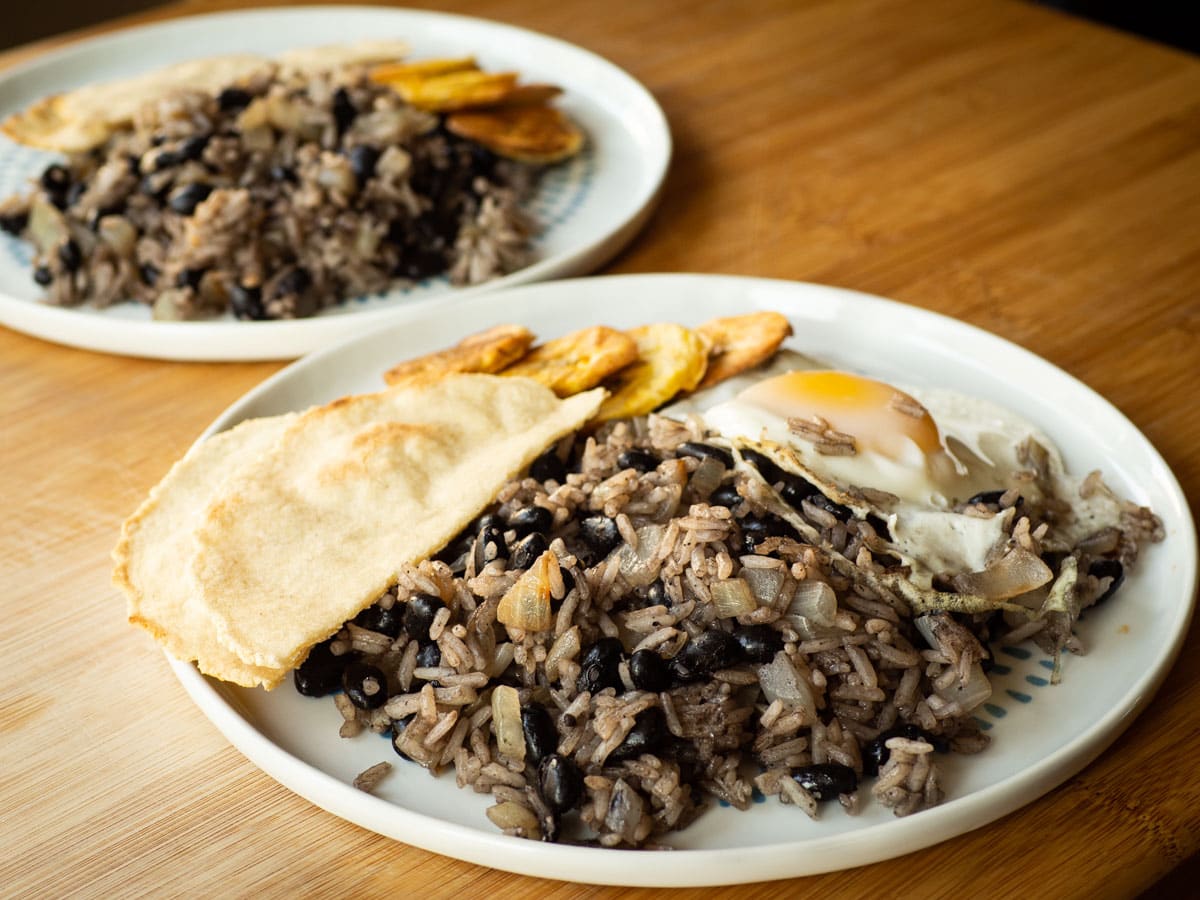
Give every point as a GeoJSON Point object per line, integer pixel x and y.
{"type": "Point", "coordinates": [696, 647]}
{"type": "Point", "coordinates": [272, 200]}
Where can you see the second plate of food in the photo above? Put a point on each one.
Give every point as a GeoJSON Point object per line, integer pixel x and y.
{"type": "Point", "coordinates": [584, 200]}
{"type": "Point", "coordinates": [1038, 732]}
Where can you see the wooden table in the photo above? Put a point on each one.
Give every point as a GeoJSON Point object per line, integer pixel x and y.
{"type": "Point", "coordinates": [1023, 171]}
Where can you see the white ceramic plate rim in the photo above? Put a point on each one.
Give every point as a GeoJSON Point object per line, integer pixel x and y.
{"type": "Point", "coordinates": [243, 341]}
{"type": "Point", "coordinates": [693, 867]}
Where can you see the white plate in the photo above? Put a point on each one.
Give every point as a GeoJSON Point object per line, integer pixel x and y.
{"type": "Point", "coordinates": [1042, 734]}
{"type": "Point", "coordinates": [588, 207]}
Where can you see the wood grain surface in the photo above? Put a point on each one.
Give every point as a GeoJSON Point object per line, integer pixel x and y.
{"type": "Point", "coordinates": [1028, 173]}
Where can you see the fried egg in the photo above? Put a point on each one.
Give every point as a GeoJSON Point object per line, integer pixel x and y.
{"type": "Point", "coordinates": [860, 440]}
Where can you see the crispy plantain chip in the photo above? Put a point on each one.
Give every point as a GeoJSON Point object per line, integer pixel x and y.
{"type": "Point", "coordinates": [486, 352]}
{"type": "Point", "coordinates": [671, 359]}
{"type": "Point", "coordinates": [456, 90]}
{"type": "Point", "coordinates": [532, 134]}
{"type": "Point", "coordinates": [389, 73]}
{"type": "Point", "coordinates": [577, 361]}
{"type": "Point", "coordinates": [741, 342]}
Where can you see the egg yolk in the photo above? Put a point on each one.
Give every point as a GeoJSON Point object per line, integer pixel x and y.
{"type": "Point", "coordinates": [879, 417]}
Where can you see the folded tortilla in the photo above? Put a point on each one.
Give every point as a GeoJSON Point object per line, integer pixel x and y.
{"type": "Point", "coordinates": [315, 529]}
{"type": "Point", "coordinates": [84, 118]}
{"type": "Point", "coordinates": [152, 559]}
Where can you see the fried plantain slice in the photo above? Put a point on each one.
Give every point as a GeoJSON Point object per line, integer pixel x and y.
{"type": "Point", "coordinates": [486, 352]}
{"type": "Point", "coordinates": [389, 73]}
{"type": "Point", "coordinates": [529, 95]}
{"type": "Point", "coordinates": [741, 342]}
{"type": "Point", "coordinates": [456, 90]}
{"type": "Point", "coordinates": [671, 359]}
{"type": "Point", "coordinates": [532, 134]}
{"type": "Point", "coordinates": [577, 361]}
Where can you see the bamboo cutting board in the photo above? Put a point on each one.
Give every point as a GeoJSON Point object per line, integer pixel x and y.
{"type": "Point", "coordinates": [1028, 173]}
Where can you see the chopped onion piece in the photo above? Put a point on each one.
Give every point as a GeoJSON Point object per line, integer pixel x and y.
{"type": "Point", "coordinates": [511, 814]}
{"type": "Point", "coordinates": [1017, 572]}
{"type": "Point", "coordinates": [526, 605]}
{"type": "Point", "coordinates": [815, 601]}
{"type": "Point", "coordinates": [765, 584]}
{"type": "Point", "coordinates": [635, 564]}
{"type": "Point", "coordinates": [969, 695]}
{"type": "Point", "coordinates": [780, 680]}
{"type": "Point", "coordinates": [707, 476]}
{"type": "Point", "coordinates": [733, 597]}
{"type": "Point", "coordinates": [506, 722]}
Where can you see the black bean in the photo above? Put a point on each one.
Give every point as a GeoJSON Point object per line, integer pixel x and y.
{"type": "Point", "coordinates": [727, 496]}
{"type": "Point", "coordinates": [185, 200]}
{"type": "Point", "coordinates": [648, 735]}
{"type": "Point", "coordinates": [167, 159]}
{"type": "Point", "coordinates": [638, 460]}
{"type": "Point", "coordinates": [986, 498]}
{"type": "Point", "coordinates": [283, 173]}
{"type": "Point", "coordinates": [686, 755]}
{"type": "Point", "coordinates": [388, 621]}
{"type": "Point", "coordinates": [246, 302]}
{"type": "Point", "coordinates": [600, 666]}
{"type": "Point", "coordinates": [541, 737]}
{"type": "Point", "coordinates": [193, 147]}
{"type": "Point", "coordinates": [321, 671]}
{"type": "Point", "coordinates": [771, 472]}
{"type": "Point", "coordinates": [398, 726]}
{"type": "Point", "coordinates": [560, 783]}
{"type": "Point", "coordinates": [1108, 568]}
{"type": "Point", "coordinates": [429, 656]}
{"type": "Point", "coordinates": [705, 451]}
{"type": "Point", "coordinates": [759, 643]}
{"type": "Point", "coordinates": [756, 529]}
{"type": "Point", "coordinates": [489, 545]}
{"type": "Point", "coordinates": [549, 467]}
{"type": "Point", "coordinates": [649, 671]}
{"type": "Point", "coordinates": [601, 535]}
{"type": "Point", "coordinates": [344, 111]}
{"type": "Point", "coordinates": [568, 581]}
{"type": "Point", "coordinates": [796, 489]}
{"type": "Point", "coordinates": [94, 219]}
{"type": "Point", "coordinates": [70, 255]}
{"type": "Point", "coordinates": [363, 159]}
{"type": "Point", "coordinates": [189, 278]}
{"type": "Point", "coordinates": [527, 551]}
{"type": "Point", "coordinates": [56, 181]}
{"type": "Point", "coordinates": [707, 652]}
{"type": "Point", "coordinates": [417, 263]}
{"type": "Point", "coordinates": [365, 685]}
{"type": "Point", "coordinates": [14, 223]}
{"type": "Point", "coordinates": [232, 98]}
{"type": "Point", "coordinates": [418, 615]}
{"type": "Point", "coordinates": [531, 519]}
{"type": "Point", "coordinates": [296, 281]}
{"type": "Point", "coordinates": [43, 276]}
{"type": "Point", "coordinates": [827, 780]}
{"type": "Point", "coordinates": [656, 594]}
{"type": "Point", "coordinates": [880, 526]}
